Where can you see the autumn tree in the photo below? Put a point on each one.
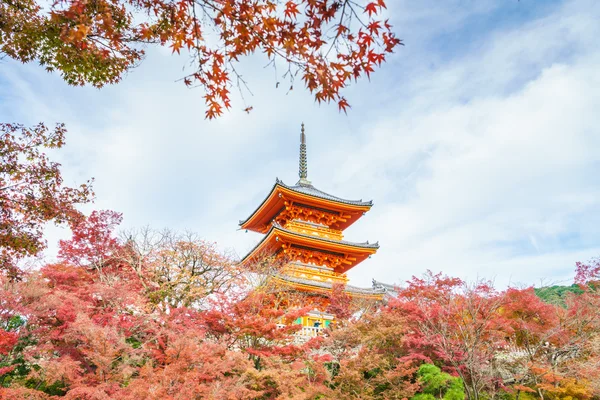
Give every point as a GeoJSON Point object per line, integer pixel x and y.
{"type": "Point", "coordinates": [587, 273]}
{"type": "Point", "coordinates": [558, 343]}
{"type": "Point", "coordinates": [259, 274]}
{"type": "Point", "coordinates": [174, 269]}
{"type": "Point", "coordinates": [582, 322]}
{"type": "Point", "coordinates": [95, 338]}
{"type": "Point", "coordinates": [372, 358]}
{"type": "Point", "coordinates": [250, 323]}
{"type": "Point", "coordinates": [326, 43]}
{"type": "Point", "coordinates": [186, 269]}
{"type": "Point", "coordinates": [456, 324]}
{"type": "Point", "coordinates": [9, 335]}
{"type": "Point", "coordinates": [93, 243]}
{"type": "Point", "coordinates": [32, 191]}
{"type": "Point", "coordinates": [508, 343]}
{"type": "Point", "coordinates": [438, 385]}
{"type": "Point", "coordinates": [85, 336]}
{"type": "Point", "coordinates": [340, 303]}
{"type": "Point", "coordinates": [535, 337]}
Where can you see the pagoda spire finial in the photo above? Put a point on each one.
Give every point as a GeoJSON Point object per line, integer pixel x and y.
{"type": "Point", "coordinates": [303, 171]}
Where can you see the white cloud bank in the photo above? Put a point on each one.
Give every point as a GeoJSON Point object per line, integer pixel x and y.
{"type": "Point", "coordinates": [482, 158]}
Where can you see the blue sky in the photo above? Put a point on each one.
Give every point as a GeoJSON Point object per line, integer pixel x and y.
{"type": "Point", "coordinates": [478, 142]}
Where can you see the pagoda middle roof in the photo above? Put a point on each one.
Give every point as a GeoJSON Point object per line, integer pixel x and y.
{"type": "Point", "coordinates": [268, 243]}
{"type": "Point", "coordinates": [273, 203]}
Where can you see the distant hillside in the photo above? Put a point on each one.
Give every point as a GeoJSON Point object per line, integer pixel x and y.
{"type": "Point", "coordinates": [556, 294]}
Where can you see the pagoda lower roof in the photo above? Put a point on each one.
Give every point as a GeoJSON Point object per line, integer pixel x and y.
{"type": "Point", "coordinates": [307, 195]}
{"type": "Point", "coordinates": [271, 244]}
{"type": "Point", "coordinates": [325, 287]}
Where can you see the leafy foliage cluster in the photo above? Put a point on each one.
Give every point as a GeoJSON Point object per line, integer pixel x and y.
{"type": "Point", "coordinates": [159, 314]}
{"type": "Point", "coordinates": [557, 294]}
{"type": "Point", "coordinates": [32, 191]}
{"type": "Point", "coordinates": [438, 385]}
{"type": "Point", "coordinates": [327, 43]}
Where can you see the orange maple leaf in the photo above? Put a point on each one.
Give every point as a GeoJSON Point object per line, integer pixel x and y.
{"type": "Point", "coordinates": [343, 105]}
{"type": "Point", "coordinates": [371, 8]}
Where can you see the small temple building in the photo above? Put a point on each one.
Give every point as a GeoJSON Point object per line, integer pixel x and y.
{"type": "Point", "coordinates": [303, 230]}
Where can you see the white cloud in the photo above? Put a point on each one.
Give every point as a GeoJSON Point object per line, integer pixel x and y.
{"type": "Point", "coordinates": [493, 185]}
{"type": "Point", "coordinates": [481, 157]}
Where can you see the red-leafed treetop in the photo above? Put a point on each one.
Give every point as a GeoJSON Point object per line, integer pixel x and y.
{"type": "Point", "coordinates": [32, 191]}
{"type": "Point", "coordinates": [93, 242]}
{"type": "Point", "coordinates": [587, 273]}
{"type": "Point", "coordinates": [326, 42]}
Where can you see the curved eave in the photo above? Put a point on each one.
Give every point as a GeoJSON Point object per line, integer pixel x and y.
{"type": "Point", "coordinates": [314, 192]}
{"type": "Point", "coordinates": [273, 203]}
{"type": "Point", "coordinates": [269, 244]}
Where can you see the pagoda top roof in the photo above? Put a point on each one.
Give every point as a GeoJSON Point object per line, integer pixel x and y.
{"type": "Point", "coordinates": [306, 195]}
{"type": "Point", "coordinates": [271, 239]}
{"type": "Point", "coordinates": [303, 193]}
{"type": "Point", "coordinates": [310, 190]}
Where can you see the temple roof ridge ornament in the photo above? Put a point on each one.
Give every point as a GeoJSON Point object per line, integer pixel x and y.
{"type": "Point", "coordinates": [303, 162]}
{"type": "Point", "coordinates": [391, 290]}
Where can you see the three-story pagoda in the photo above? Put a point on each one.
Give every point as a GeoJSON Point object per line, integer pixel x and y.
{"type": "Point", "coordinates": [303, 229]}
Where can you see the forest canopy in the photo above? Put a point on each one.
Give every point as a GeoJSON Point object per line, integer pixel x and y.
{"type": "Point", "coordinates": [160, 314]}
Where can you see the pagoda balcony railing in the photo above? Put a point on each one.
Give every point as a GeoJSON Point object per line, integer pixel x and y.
{"type": "Point", "coordinates": [314, 273]}
{"type": "Point", "coordinates": [314, 230]}
{"type": "Point", "coordinates": [306, 331]}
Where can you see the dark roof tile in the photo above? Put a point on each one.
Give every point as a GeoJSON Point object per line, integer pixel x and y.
{"type": "Point", "coordinates": [313, 191]}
